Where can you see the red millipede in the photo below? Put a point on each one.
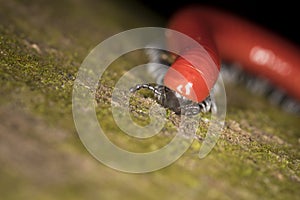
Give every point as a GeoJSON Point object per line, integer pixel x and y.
{"type": "Point", "coordinates": [227, 37]}
{"type": "Point", "coordinates": [230, 38]}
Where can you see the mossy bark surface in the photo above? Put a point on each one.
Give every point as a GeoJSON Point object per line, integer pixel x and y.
{"type": "Point", "coordinates": [42, 45]}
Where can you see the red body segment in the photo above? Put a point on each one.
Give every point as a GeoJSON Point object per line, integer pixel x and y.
{"type": "Point", "coordinates": [226, 37]}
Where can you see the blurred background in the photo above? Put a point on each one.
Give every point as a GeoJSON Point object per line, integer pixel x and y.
{"type": "Point", "coordinates": [278, 16]}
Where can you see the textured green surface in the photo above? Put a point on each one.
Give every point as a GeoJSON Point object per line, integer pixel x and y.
{"type": "Point", "coordinates": [42, 45]}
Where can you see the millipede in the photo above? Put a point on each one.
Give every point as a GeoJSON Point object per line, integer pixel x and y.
{"type": "Point", "coordinates": [273, 60]}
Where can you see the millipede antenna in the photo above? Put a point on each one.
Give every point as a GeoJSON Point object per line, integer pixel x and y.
{"type": "Point", "coordinates": [148, 86]}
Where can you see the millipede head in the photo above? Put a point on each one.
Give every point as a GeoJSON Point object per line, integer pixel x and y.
{"type": "Point", "coordinates": [174, 101]}
{"type": "Point", "coordinates": [163, 95]}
